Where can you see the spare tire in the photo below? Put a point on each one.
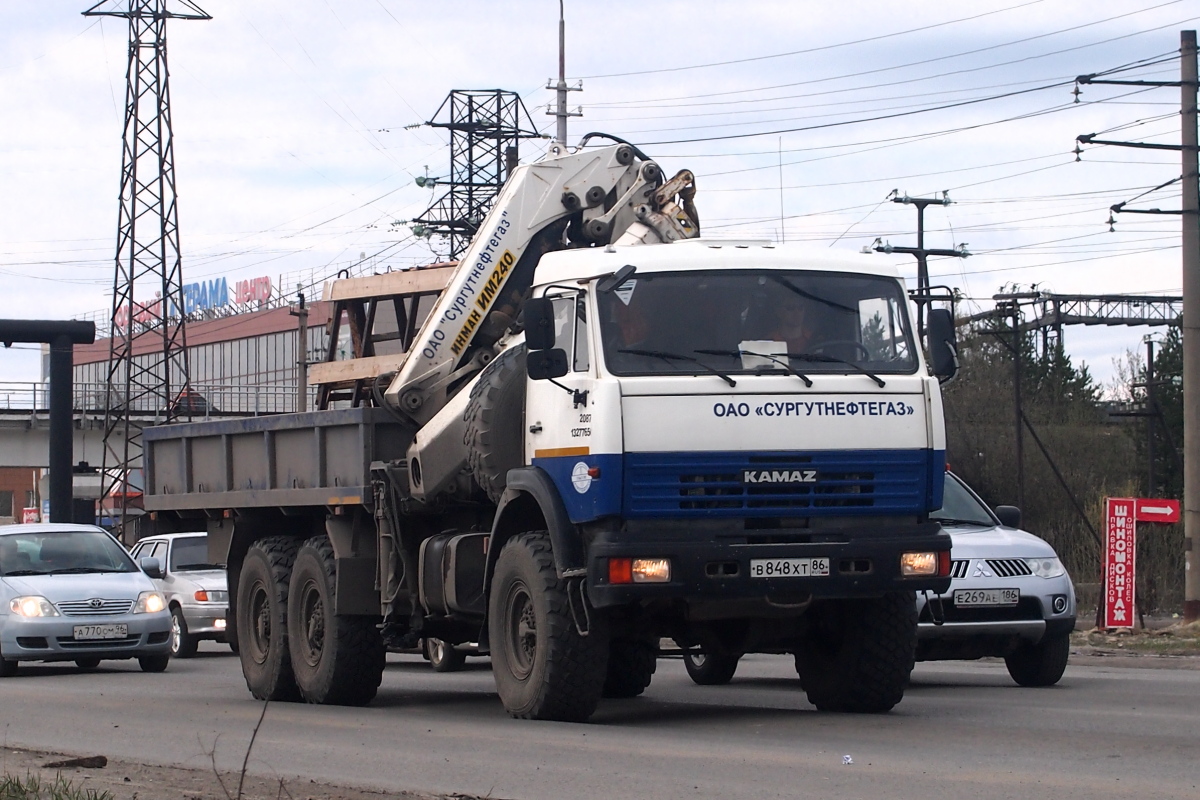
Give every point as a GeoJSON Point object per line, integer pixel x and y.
{"type": "Point", "coordinates": [495, 420]}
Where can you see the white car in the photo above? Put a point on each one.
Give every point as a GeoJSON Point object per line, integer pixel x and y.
{"type": "Point", "coordinates": [1010, 596]}
{"type": "Point", "coordinates": [72, 593]}
{"type": "Point", "coordinates": [195, 590]}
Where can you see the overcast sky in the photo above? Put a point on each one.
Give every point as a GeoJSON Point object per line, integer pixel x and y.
{"type": "Point", "coordinates": [293, 157]}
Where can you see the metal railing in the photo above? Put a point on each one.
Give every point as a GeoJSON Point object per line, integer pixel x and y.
{"type": "Point", "coordinates": [201, 401]}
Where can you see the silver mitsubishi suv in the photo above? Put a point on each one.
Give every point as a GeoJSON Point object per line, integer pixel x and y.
{"type": "Point", "coordinates": [1010, 596]}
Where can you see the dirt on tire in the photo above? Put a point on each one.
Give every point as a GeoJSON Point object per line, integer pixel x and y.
{"type": "Point", "coordinates": [860, 654]}
{"type": "Point", "coordinates": [346, 666]}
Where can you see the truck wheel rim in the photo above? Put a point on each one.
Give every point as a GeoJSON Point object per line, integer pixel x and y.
{"type": "Point", "coordinates": [260, 623]}
{"type": "Point", "coordinates": [313, 613]}
{"type": "Point", "coordinates": [176, 634]}
{"type": "Point", "coordinates": [697, 660]}
{"type": "Point", "coordinates": [437, 654]}
{"type": "Point", "coordinates": [522, 631]}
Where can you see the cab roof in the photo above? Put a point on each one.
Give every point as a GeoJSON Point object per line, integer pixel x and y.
{"type": "Point", "coordinates": [708, 254]}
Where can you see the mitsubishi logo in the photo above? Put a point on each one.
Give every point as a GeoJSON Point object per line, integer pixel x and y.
{"type": "Point", "coordinates": [95, 602]}
{"type": "Point", "coordinates": [982, 571]}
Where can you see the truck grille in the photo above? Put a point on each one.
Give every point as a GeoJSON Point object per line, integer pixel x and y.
{"type": "Point", "coordinates": [90, 608]}
{"type": "Point", "coordinates": [710, 484]}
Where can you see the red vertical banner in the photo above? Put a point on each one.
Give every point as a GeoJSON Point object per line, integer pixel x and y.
{"type": "Point", "coordinates": [1120, 553]}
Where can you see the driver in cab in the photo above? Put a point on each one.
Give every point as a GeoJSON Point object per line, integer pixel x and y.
{"type": "Point", "coordinates": [795, 324]}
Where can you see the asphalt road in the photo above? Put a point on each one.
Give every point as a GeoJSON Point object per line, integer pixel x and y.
{"type": "Point", "coordinates": [963, 731]}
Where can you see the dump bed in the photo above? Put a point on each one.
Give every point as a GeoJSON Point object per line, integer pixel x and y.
{"type": "Point", "coordinates": [321, 458]}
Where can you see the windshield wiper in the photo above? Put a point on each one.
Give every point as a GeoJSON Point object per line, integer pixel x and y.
{"type": "Point", "coordinates": [22, 572]}
{"type": "Point", "coordinates": [953, 521]}
{"type": "Point", "coordinates": [79, 570]}
{"type": "Point", "coordinates": [739, 353]}
{"type": "Point", "coordinates": [831, 360]}
{"type": "Point", "coordinates": [677, 357]}
{"type": "Point", "coordinates": [186, 567]}
{"type": "Point", "coordinates": [810, 296]}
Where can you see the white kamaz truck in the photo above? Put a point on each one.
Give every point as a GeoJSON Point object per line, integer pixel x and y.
{"type": "Point", "coordinates": [605, 432]}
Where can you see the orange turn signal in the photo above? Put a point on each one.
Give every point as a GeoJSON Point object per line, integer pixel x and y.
{"type": "Point", "coordinates": [620, 570]}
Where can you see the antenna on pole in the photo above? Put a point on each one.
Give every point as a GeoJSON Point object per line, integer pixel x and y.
{"type": "Point", "coordinates": [561, 87]}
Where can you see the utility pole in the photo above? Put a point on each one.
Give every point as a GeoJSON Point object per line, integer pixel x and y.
{"type": "Point", "coordinates": [1020, 438]}
{"type": "Point", "coordinates": [300, 312]}
{"type": "Point", "coordinates": [1190, 241]}
{"type": "Point", "coordinates": [1151, 418]}
{"type": "Point", "coordinates": [921, 252]}
{"type": "Point", "coordinates": [561, 87]}
{"type": "Point", "coordinates": [1189, 213]}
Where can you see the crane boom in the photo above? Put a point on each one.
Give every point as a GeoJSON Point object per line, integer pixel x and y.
{"type": "Point", "coordinates": [583, 198]}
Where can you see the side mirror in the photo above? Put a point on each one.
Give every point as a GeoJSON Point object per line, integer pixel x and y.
{"type": "Point", "coordinates": [151, 567]}
{"type": "Point", "coordinates": [943, 351]}
{"type": "Point", "coordinates": [1009, 516]}
{"type": "Point", "coordinates": [539, 323]}
{"type": "Point", "coordinates": [544, 365]}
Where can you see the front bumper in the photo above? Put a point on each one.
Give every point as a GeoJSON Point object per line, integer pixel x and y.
{"type": "Point", "coordinates": [712, 563]}
{"type": "Point", "coordinates": [53, 638]}
{"type": "Point", "coordinates": [205, 621]}
{"type": "Point", "coordinates": [1032, 619]}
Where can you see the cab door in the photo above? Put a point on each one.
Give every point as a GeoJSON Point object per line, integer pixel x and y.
{"type": "Point", "coordinates": [559, 414]}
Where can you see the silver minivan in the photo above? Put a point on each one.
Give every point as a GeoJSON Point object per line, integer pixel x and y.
{"type": "Point", "coordinates": [71, 593]}
{"type": "Point", "coordinates": [195, 589]}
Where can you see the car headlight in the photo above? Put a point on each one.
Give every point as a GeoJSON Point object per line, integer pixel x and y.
{"type": "Point", "coordinates": [149, 603]}
{"type": "Point", "coordinates": [32, 606]}
{"type": "Point", "coordinates": [1046, 567]}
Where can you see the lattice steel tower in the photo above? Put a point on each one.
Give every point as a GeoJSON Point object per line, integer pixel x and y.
{"type": "Point", "coordinates": [147, 367]}
{"type": "Point", "coordinates": [486, 126]}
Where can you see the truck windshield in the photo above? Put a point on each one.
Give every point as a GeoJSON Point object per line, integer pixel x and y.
{"type": "Point", "coordinates": [751, 321]}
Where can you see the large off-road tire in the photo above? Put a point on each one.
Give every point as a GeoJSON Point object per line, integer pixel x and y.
{"type": "Point", "coordinates": [711, 669]}
{"type": "Point", "coordinates": [443, 657]}
{"type": "Point", "coordinates": [183, 645]}
{"type": "Point", "coordinates": [544, 669]}
{"type": "Point", "coordinates": [495, 434]}
{"type": "Point", "coordinates": [262, 618]}
{"type": "Point", "coordinates": [631, 665]}
{"type": "Point", "coordinates": [860, 653]}
{"type": "Point", "coordinates": [337, 659]}
{"type": "Point", "coordinates": [1041, 664]}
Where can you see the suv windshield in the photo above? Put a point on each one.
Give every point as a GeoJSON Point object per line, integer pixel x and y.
{"type": "Point", "coordinates": [960, 506]}
{"type": "Point", "coordinates": [62, 552]}
{"type": "Point", "coordinates": [191, 554]}
{"type": "Point", "coordinates": [747, 321]}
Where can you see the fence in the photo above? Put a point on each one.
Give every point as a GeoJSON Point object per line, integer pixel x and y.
{"type": "Point", "coordinates": [200, 401]}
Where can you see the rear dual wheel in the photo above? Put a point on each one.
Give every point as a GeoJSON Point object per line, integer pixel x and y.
{"type": "Point", "coordinates": [262, 618]}
{"type": "Point", "coordinates": [337, 659]}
